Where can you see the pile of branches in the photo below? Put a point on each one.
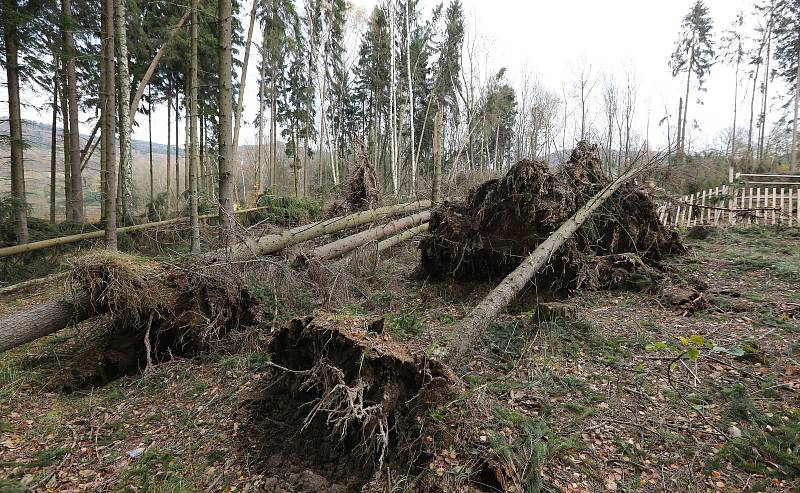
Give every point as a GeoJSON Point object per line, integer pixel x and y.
{"type": "Point", "coordinates": [503, 220]}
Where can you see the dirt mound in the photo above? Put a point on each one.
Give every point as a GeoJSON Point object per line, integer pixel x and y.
{"type": "Point", "coordinates": [503, 220]}
{"type": "Point", "coordinates": [339, 404]}
{"type": "Point", "coordinates": [155, 313]}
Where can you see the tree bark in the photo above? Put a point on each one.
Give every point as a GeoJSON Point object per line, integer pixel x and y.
{"type": "Point", "coordinates": [411, 102]}
{"type": "Point", "coordinates": [226, 171]}
{"type": "Point", "coordinates": [793, 162]}
{"type": "Point", "coordinates": [177, 154]}
{"type": "Point", "coordinates": [15, 125]}
{"type": "Point", "coordinates": [470, 329]}
{"type": "Point", "coordinates": [39, 321]}
{"type": "Point", "coordinates": [342, 246]}
{"type": "Point", "coordinates": [686, 102]}
{"type": "Point", "coordinates": [436, 186]}
{"type": "Point", "coordinates": [193, 162]}
{"type": "Point", "coordinates": [65, 137]}
{"type": "Point", "coordinates": [53, 147]}
{"type": "Point", "coordinates": [260, 149]}
{"type": "Point", "coordinates": [150, 144]}
{"type": "Point", "coordinates": [108, 115]}
{"type": "Point", "coordinates": [237, 124]}
{"type": "Point", "coordinates": [399, 238]}
{"type": "Point", "coordinates": [123, 79]}
{"type": "Point", "coordinates": [76, 183]}
{"type": "Point", "coordinates": [169, 147]}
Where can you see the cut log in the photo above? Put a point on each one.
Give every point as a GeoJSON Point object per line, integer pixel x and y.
{"type": "Point", "coordinates": [342, 246]}
{"type": "Point", "coordinates": [36, 322]}
{"type": "Point", "coordinates": [273, 243]}
{"type": "Point", "coordinates": [470, 329]}
{"type": "Point", "coordinates": [405, 235]}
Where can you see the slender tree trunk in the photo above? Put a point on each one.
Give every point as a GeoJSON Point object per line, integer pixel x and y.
{"type": "Point", "coordinates": [108, 115]}
{"type": "Point", "coordinates": [187, 90]}
{"type": "Point", "coordinates": [260, 148]}
{"type": "Point", "coordinates": [226, 171]}
{"type": "Point", "coordinates": [150, 142]}
{"type": "Point", "coordinates": [66, 135]}
{"type": "Point", "coordinates": [76, 204]}
{"type": "Point", "coordinates": [764, 101]}
{"type": "Point", "coordinates": [793, 161]}
{"type": "Point", "coordinates": [193, 161]}
{"type": "Point", "coordinates": [436, 187]}
{"type": "Point", "coordinates": [15, 124]}
{"type": "Point", "coordinates": [177, 155]}
{"type": "Point", "coordinates": [169, 147]}
{"type": "Point", "coordinates": [685, 120]}
{"type": "Point", "coordinates": [752, 119]}
{"type": "Point", "coordinates": [411, 102]}
{"type": "Point", "coordinates": [273, 155]}
{"type": "Point", "coordinates": [243, 80]}
{"type": "Point", "coordinates": [735, 111]}
{"type": "Point", "coordinates": [123, 79]}
{"type": "Point", "coordinates": [53, 147]}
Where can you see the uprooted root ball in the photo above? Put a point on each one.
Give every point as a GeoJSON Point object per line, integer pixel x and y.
{"type": "Point", "coordinates": [503, 220]}
{"type": "Point", "coordinates": [341, 404]}
{"type": "Point", "coordinates": [154, 313]}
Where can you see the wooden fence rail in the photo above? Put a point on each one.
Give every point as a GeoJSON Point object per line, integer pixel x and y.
{"type": "Point", "coordinates": [734, 204]}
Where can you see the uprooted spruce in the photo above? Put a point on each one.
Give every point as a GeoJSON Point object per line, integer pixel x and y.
{"type": "Point", "coordinates": [154, 313]}
{"type": "Point", "coordinates": [363, 191]}
{"type": "Point", "coordinates": [503, 220]}
{"type": "Point", "coordinates": [343, 408]}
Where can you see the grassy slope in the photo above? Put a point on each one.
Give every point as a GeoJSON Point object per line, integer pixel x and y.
{"type": "Point", "coordinates": [593, 392]}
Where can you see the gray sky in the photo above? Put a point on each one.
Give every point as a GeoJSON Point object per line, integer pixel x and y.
{"type": "Point", "coordinates": [552, 39]}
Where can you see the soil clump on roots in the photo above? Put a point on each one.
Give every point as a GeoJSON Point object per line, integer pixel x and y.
{"type": "Point", "coordinates": [339, 405]}
{"type": "Point", "coordinates": [154, 312]}
{"type": "Point", "coordinates": [503, 220]}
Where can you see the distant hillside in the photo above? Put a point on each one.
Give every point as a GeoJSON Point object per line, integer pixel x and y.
{"type": "Point", "coordinates": [37, 166]}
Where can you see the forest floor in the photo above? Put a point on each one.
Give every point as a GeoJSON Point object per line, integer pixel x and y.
{"type": "Point", "coordinates": [615, 400]}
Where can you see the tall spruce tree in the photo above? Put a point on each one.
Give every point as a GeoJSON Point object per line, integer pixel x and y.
{"type": "Point", "coordinates": [787, 54]}
{"type": "Point", "coordinates": [693, 55]}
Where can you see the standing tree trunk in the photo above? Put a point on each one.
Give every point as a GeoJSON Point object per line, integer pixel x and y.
{"type": "Point", "coordinates": [793, 162]}
{"type": "Point", "coordinates": [150, 142]}
{"type": "Point", "coordinates": [169, 147]}
{"type": "Point", "coordinates": [226, 175]}
{"type": "Point", "coordinates": [436, 187]}
{"type": "Point", "coordinates": [260, 148]}
{"type": "Point", "coordinates": [735, 112]}
{"type": "Point", "coordinates": [193, 138]}
{"type": "Point", "coordinates": [123, 79]}
{"type": "Point", "coordinates": [15, 124]}
{"type": "Point", "coordinates": [685, 121]}
{"type": "Point", "coordinates": [108, 115]}
{"type": "Point", "coordinates": [53, 146]}
{"type": "Point", "coordinates": [272, 138]}
{"type": "Point", "coordinates": [411, 102]}
{"type": "Point", "coordinates": [76, 183]}
{"type": "Point", "coordinates": [66, 137]}
{"type": "Point", "coordinates": [177, 160]}
{"type": "Point", "coordinates": [243, 80]}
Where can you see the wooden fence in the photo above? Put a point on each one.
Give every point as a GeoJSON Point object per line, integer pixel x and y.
{"type": "Point", "coordinates": [734, 204]}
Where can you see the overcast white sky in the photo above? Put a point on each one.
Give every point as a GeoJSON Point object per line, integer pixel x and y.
{"type": "Point", "coordinates": [548, 39]}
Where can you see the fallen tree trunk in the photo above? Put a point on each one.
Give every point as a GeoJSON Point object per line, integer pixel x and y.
{"type": "Point", "coordinates": [33, 282]}
{"type": "Point", "coordinates": [399, 238]}
{"type": "Point", "coordinates": [342, 246]}
{"type": "Point", "coordinates": [470, 329]}
{"type": "Point", "coordinates": [39, 321]}
{"type": "Point", "coordinates": [57, 315]}
{"type": "Point", "coordinates": [275, 242]}
{"type": "Point", "coordinates": [94, 235]}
